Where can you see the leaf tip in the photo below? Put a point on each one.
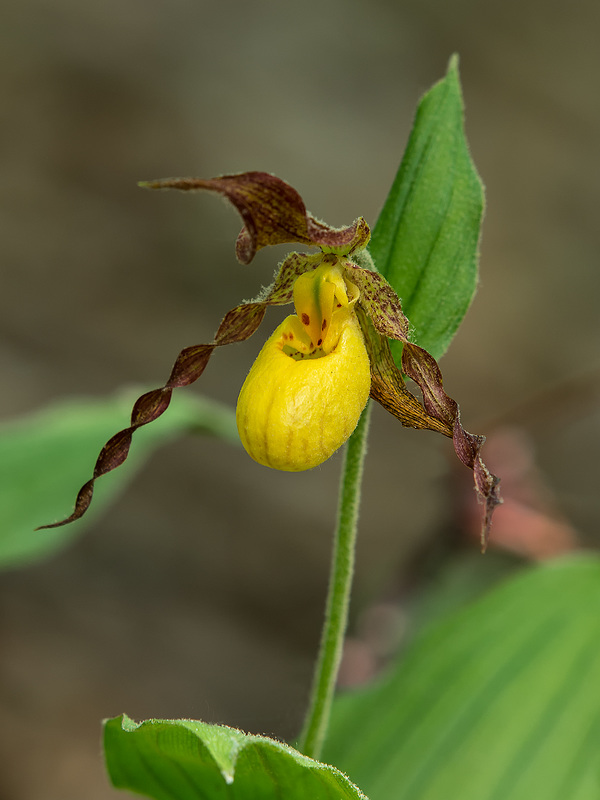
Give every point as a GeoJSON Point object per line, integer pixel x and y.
{"type": "Point", "coordinates": [453, 64]}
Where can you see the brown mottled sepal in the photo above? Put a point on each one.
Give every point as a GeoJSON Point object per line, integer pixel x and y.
{"type": "Point", "coordinates": [272, 212]}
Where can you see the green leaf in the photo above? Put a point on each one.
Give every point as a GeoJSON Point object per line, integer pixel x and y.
{"type": "Point", "coordinates": [426, 239]}
{"type": "Point", "coordinates": [45, 457]}
{"type": "Point", "coordinates": [187, 760]}
{"type": "Point", "coordinates": [500, 700]}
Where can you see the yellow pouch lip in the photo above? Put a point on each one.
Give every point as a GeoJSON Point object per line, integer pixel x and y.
{"type": "Point", "coordinates": [292, 415]}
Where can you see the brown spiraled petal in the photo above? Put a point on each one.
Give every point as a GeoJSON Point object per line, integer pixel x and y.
{"type": "Point", "coordinates": [272, 212]}
{"type": "Point", "coordinates": [240, 323]}
{"type": "Point", "coordinates": [237, 325]}
{"type": "Point", "coordinates": [419, 365]}
{"type": "Point", "coordinates": [438, 412]}
{"type": "Point", "coordinates": [188, 367]}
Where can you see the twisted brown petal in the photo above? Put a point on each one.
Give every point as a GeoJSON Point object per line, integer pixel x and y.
{"type": "Point", "coordinates": [439, 412]}
{"type": "Point", "coordinates": [237, 325]}
{"type": "Point", "coordinates": [272, 212]}
{"type": "Point", "coordinates": [419, 365]}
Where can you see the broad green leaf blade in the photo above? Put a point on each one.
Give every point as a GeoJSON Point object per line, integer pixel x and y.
{"type": "Point", "coordinates": [501, 700]}
{"type": "Point", "coordinates": [426, 239]}
{"type": "Point", "coordinates": [45, 457]}
{"type": "Point", "coordinates": [187, 760]}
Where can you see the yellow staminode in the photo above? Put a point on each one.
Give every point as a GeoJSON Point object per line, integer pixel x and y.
{"type": "Point", "coordinates": [306, 390]}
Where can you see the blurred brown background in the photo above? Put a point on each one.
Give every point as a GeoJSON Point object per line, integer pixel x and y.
{"type": "Point", "coordinates": [200, 593]}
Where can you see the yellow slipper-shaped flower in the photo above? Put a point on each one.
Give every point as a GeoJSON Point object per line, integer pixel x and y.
{"type": "Point", "coordinates": [296, 408]}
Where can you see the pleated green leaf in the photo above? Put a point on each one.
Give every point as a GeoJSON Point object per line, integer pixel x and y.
{"type": "Point", "coordinates": [499, 702]}
{"type": "Point", "coordinates": [46, 456]}
{"type": "Point", "coordinates": [188, 760]}
{"type": "Point", "coordinates": [426, 239]}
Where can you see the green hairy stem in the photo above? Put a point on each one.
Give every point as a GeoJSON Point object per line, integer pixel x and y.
{"type": "Point", "coordinates": [314, 731]}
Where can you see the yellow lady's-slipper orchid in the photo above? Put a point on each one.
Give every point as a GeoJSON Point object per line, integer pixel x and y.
{"type": "Point", "coordinates": [304, 395]}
